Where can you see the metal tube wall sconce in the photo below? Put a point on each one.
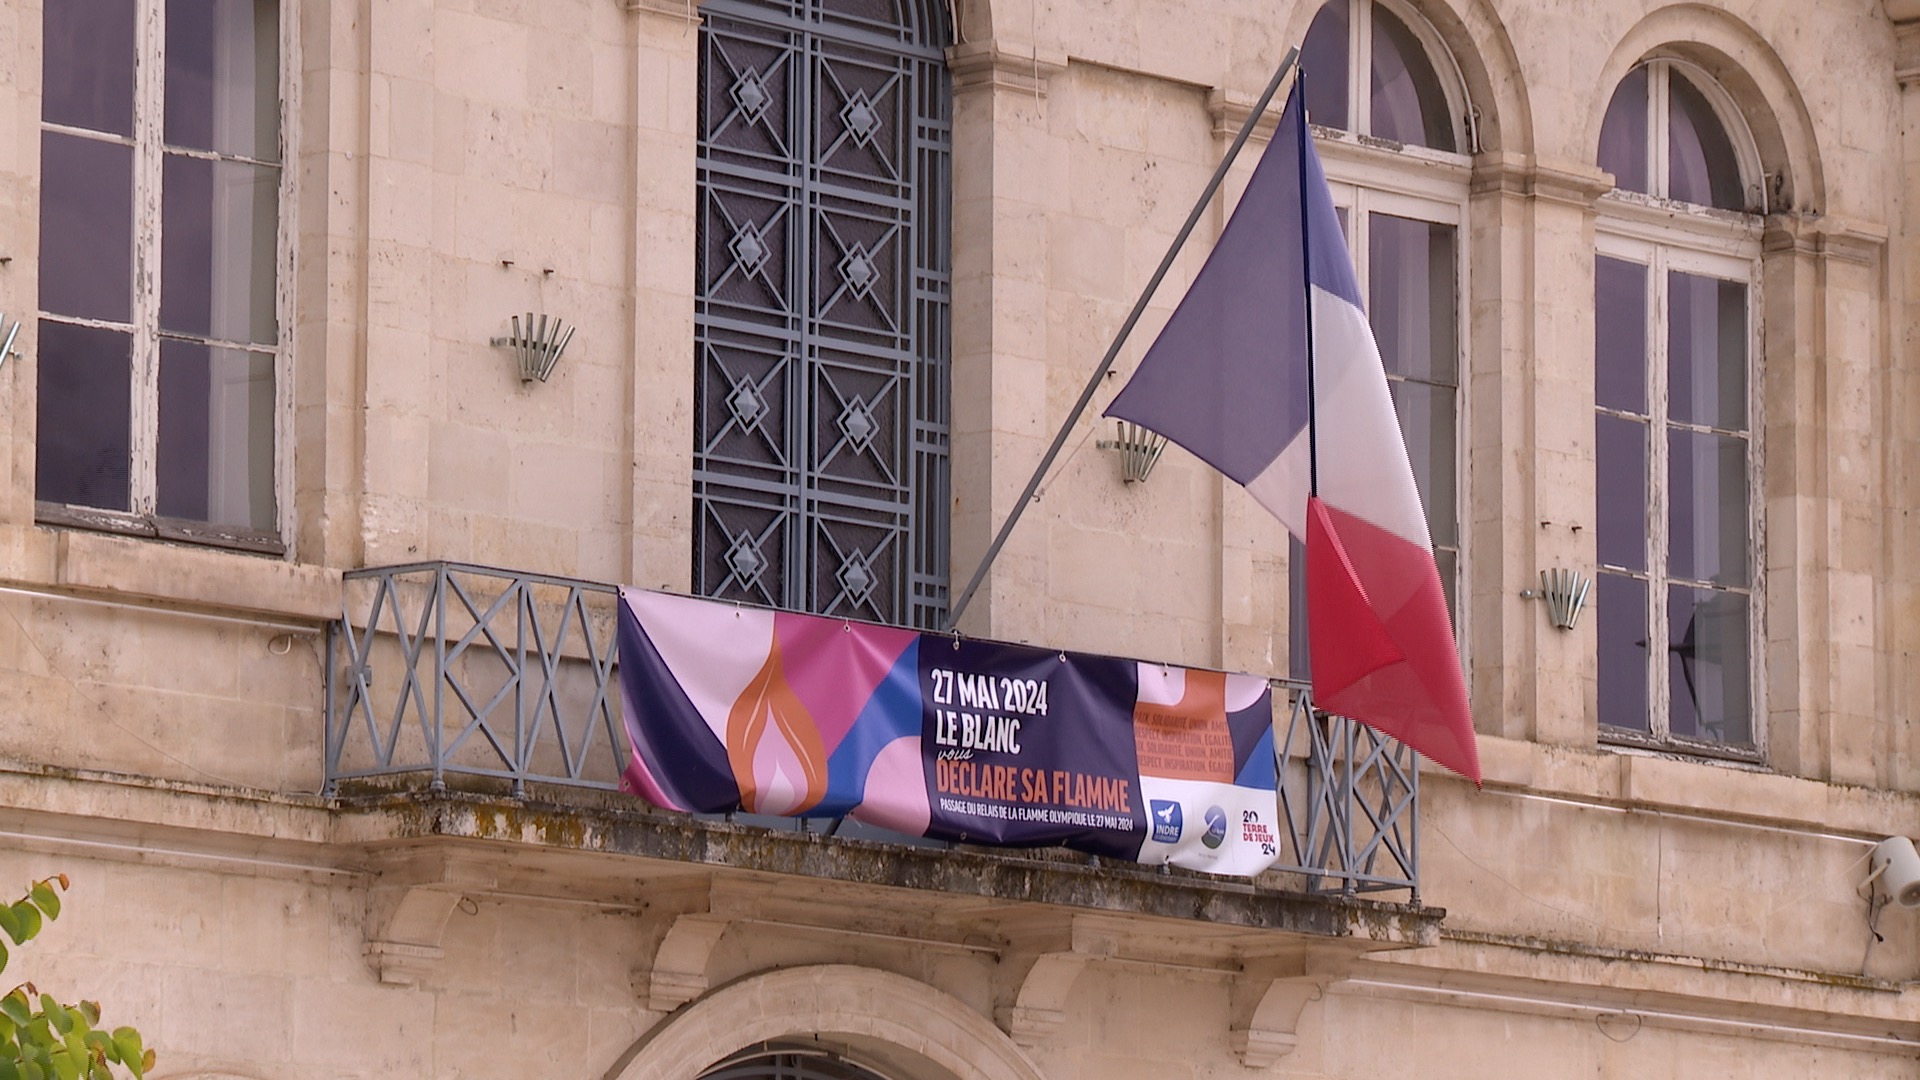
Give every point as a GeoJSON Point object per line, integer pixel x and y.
{"type": "Point", "coordinates": [1565, 592]}
{"type": "Point", "coordinates": [538, 345]}
{"type": "Point", "coordinates": [6, 347]}
{"type": "Point", "coordinates": [1139, 448]}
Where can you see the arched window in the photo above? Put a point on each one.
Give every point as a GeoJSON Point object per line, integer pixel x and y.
{"type": "Point", "coordinates": [1665, 136]}
{"type": "Point", "coordinates": [821, 293]}
{"type": "Point", "coordinates": [1365, 51]}
{"type": "Point", "coordinates": [1675, 403]}
{"type": "Point", "coordinates": [1403, 205]}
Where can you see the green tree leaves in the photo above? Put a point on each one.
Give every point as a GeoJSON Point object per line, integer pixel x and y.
{"type": "Point", "coordinates": [42, 1039]}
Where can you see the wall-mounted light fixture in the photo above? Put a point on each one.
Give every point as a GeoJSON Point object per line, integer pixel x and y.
{"type": "Point", "coordinates": [1565, 592]}
{"type": "Point", "coordinates": [1896, 866]}
{"type": "Point", "coordinates": [538, 345]}
{"type": "Point", "coordinates": [1139, 448]}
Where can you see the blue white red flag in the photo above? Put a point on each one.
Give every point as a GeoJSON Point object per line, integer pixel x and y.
{"type": "Point", "coordinates": [1228, 380]}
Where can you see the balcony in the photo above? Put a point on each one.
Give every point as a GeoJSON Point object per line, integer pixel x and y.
{"type": "Point", "coordinates": [483, 705]}
{"type": "Point", "coordinates": [446, 676]}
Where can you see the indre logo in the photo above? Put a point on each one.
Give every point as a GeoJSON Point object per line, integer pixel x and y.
{"type": "Point", "coordinates": [1167, 823]}
{"type": "Point", "coordinates": [1216, 833]}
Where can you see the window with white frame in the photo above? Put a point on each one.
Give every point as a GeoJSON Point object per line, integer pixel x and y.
{"type": "Point", "coordinates": [1404, 212]}
{"type": "Point", "coordinates": [1676, 446]}
{"type": "Point", "coordinates": [159, 332]}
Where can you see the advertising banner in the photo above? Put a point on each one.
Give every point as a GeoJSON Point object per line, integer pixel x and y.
{"type": "Point", "coordinates": [732, 708]}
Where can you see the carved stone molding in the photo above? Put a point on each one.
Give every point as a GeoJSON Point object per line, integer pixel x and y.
{"type": "Point", "coordinates": [696, 921]}
{"type": "Point", "coordinates": [408, 908]}
{"type": "Point", "coordinates": [1267, 998]}
{"type": "Point", "coordinates": [679, 972]}
{"type": "Point", "coordinates": [1015, 66]}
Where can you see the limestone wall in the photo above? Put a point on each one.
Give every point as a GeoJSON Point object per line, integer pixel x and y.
{"type": "Point", "coordinates": [452, 163]}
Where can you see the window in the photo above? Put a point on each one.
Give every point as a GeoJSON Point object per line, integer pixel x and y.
{"type": "Point", "coordinates": [1676, 596]}
{"type": "Point", "coordinates": [1365, 51]}
{"type": "Point", "coordinates": [1404, 230]}
{"type": "Point", "coordinates": [159, 336]}
{"type": "Point", "coordinates": [821, 297]}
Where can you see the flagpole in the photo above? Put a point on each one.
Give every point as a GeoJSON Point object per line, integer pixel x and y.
{"type": "Point", "coordinates": [1306, 276]}
{"type": "Point", "coordinates": [1120, 338]}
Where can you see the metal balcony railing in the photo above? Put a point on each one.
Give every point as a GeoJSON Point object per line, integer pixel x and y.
{"type": "Point", "coordinates": [446, 669]}
{"type": "Point", "coordinates": [440, 668]}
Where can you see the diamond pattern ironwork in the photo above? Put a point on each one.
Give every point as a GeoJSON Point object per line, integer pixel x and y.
{"type": "Point", "coordinates": [745, 560]}
{"type": "Point", "coordinates": [858, 271]}
{"type": "Point", "coordinates": [861, 118]}
{"type": "Point", "coordinates": [750, 93]}
{"type": "Point", "coordinates": [748, 249]}
{"type": "Point", "coordinates": [748, 406]}
{"type": "Point", "coordinates": [824, 249]}
{"type": "Point", "coordinates": [856, 420]}
{"type": "Point", "coordinates": [857, 578]}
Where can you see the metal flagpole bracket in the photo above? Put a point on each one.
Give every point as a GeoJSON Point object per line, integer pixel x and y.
{"type": "Point", "coordinates": [6, 346]}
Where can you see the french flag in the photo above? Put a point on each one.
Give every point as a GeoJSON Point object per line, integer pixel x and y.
{"type": "Point", "coordinates": [1242, 379]}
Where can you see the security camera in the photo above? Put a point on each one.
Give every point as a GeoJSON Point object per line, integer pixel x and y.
{"type": "Point", "coordinates": [1897, 865]}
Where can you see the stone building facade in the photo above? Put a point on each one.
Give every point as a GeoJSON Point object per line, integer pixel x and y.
{"type": "Point", "coordinates": [836, 270]}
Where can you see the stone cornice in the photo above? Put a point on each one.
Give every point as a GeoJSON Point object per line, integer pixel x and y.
{"type": "Point", "coordinates": [1839, 239]}
{"type": "Point", "coordinates": [1229, 110]}
{"type": "Point", "coordinates": [1523, 176]}
{"type": "Point", "coordinates": [1906, 53]}
{"type": "Point", "coordinates": [686, 11]}
{"type": "Point", "coordinates": [1015, 66]}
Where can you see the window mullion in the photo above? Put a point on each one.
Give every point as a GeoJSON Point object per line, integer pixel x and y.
{"type": "Point", "coordinates": [1659, 690]}
{"type": "Point", "coordinates": [1657, 135]}
{"type": "Point", "coordinates": [149, 112]}
{"type": "Point", "coordinates": [1359, 69]}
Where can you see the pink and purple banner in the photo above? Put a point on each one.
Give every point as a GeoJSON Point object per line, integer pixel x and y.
{"type": "Point", "coordinates": [732, 708]}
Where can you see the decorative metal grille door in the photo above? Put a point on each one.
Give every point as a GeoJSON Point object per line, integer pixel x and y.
{"type": "Point", "coordinates": [821, 389]}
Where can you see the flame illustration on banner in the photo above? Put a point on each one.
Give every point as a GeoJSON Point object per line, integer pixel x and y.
{"type": "Point", "coordinates": [774, 745]}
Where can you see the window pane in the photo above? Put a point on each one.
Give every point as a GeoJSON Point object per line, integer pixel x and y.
{"type": "Point", "coordinates": [1620, 622]}
{"type": "Point", "coordinates": [1411, 297]}
{"type": "Point", "coordinates": [218, 222]}
{"type": "Point", "coordinates": [1323, 62]}
{"type": "Point", "coordinates": [1427, 425]}
{"type": "Point", "coordinates": [223, 76]}
{"type": "Point", "coordinates": [1408, 104]}
{"type": "Point", "coordinates": [87, 80]}
{"type": "Point", "coordinates": [1620, 335]}
{"type": "Point", "coordinates": [1701, 167]}
{"type": "Point", "coordinates": [216, 435]}
{"type": "Point", "coordinates": [86, 382]}
{"type": "Point", "coordinates": [1620, 492]}
{"type": "Point", "coordinates": [1708, 666]}
{"type": "Point", "coordinates": [86, 227]}
{"type": "Point", "coordinates": [1707, 351]}
{"type": "Point", "coordinates": [1707, 507]}
{"type": "Point", "coordinates": [1623, 134]}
